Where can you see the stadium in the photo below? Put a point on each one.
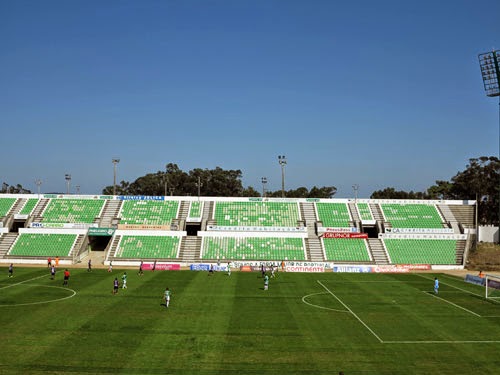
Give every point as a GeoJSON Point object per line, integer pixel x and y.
{"type": "Point", "coordinates": [185, 231]}
{"type": "Point", "coordinates": [353, 289]}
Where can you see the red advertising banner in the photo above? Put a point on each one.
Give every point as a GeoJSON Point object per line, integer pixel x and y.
{"type": "Point", "coordinates": [400, 268]}
{"type": "Point", "coordinates": [344, 235]}
{"type": "Point", "coordinates": [161, 267]}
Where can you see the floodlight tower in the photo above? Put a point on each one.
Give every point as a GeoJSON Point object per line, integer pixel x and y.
{"type": "Point", "coordinates": [355, 187]}
{"type": "Point", "coordinates": [38, 183]}
{"type": "Point", "coordinates": [166, 180]}
{"type": "Point", "coordinates": [115, 161]}
{"type": "Point", "coordinates": [282, 162]}
{"type": "Point", "coordinates": [199, 184]}
{"type": "Point", "coordinates": [490, 71]}
{"type": "Point", "coordinates": [264, 182]}
{"type": "Point", "coordinates": [67, 177]}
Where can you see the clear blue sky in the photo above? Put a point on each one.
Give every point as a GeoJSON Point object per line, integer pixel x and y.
{"type": "Point", "coordinates": [375, 93]}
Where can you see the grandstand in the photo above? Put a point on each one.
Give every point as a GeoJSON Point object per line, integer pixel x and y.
{"type": "Point", "coordinates": [190, 230]}
{"type": "Point", "coordinates": [68, 210]}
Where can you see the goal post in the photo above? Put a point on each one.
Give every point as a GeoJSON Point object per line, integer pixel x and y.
{"type": "Point", "coordinates": [492, 284]}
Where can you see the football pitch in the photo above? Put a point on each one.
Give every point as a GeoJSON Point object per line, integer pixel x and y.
{"type": "Point", "coordinates": [304, 324]}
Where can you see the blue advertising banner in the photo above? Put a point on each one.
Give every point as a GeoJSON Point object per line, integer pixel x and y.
{"type": "Point", "coordinates": [474, 280]}
{"type": "Point", "coordinates": [354, 269]}
{"type": "Point", "coordinates": [140, 198]}
{"type": "Point", "coordinates": [199, 267]}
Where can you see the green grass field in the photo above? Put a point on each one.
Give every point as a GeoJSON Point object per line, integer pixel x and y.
{"type": "Point", "coordinates": [304, 324]}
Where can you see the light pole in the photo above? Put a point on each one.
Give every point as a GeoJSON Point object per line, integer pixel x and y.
{"type": "Point", "coordinates": [264, 182]}
{"type": "Point", "coordinates": [199, 184]}
{"type": "Point", "coordinates": [67, 177]}
{"type": "Point", "coordinates": [115, 161]}
{"type": "Point", "coordinates": [38, 183]}
{"type": "Point", "coordinates": [282, 162]}
{"type": "Point", "coordinates": [355, 187]}
{"type": "Point", "coordinates": [77, 187]}
{"type": "Point", "coordinates": [490, 71]}
{"type": "Point", "coordinates": [166, 180]}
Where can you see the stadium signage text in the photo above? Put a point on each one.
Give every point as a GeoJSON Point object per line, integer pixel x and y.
{"type": "Point", "coordinates": [304, 269]}
{"type": "Point", "coordinates": [161, 266]}
{"type": "Point", "coordinates": [199, 267]}
{"type": "Point", "coordinates": [143, 227]}
{"type": "Point", "coordinates": [352, 269]}
{"type": "Point", "coordinates": [101, 231]}
{"type": "Point", "coordinates": [419, 230]}
{"type": "Point", "coordinates": [255, 229]}
{"type": "Point", "coordinates": [64, 225]}
{"type": "Point", "coordinates": [338, 230]}
{"type": "Point", "coordinates": [344, 235]}
{"type": "Point", "coordinates": [140, 198]}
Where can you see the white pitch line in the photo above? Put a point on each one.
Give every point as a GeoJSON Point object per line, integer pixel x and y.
{"type": "Point", "coordinates": [444, 342]}
{"type": "Point", "coordinates": [454, 304]}
{"type": "Point", "coordinates": [25, 281]}
{"type": "Point", "coordinates": [456, 287]}
{"type": "Point", "coordinates": [41, 302]}
{"type": "Point", "coordinates": [347, 307]}
{"type": "Point", "coordinates": [318, 306]}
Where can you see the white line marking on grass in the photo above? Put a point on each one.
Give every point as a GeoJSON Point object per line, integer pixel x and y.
{"type": "Point", "coordinates": [41, 302]}
{"type": "Point", "coordinates": [454, 304]}
{"type": "Point", "coordinates": [347, 307]}
{"type": "Point", "coordinates": [445, 342]}
{"type": "Point", "coordinates": [318, 306]}
{"type": "Point", "coordinates": [456, 287]}
{"type": "Point", "coordinates": [22, 282]}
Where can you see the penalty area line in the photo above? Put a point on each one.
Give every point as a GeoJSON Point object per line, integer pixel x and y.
{"type": "Point", "coordinates": [451, 303]}
{"type": "Point", "coordinates": [318, 306]}
{"type": "Point", "coordinates": [352, 312]}
{"type": "Point", "coordinates": [22, 282]}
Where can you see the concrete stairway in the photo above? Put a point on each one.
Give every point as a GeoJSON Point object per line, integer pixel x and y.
{"type": "Point", "coordinates": [190, 249]}
{"type": "Point", "coordinates": [378, 251]}
{"type": "Point", "coordinates": [110, 213]}
{"type": "Point", "coordinates": [6, 242]}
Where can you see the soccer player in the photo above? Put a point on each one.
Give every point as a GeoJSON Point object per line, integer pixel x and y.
{"type": "Point", "coordinates": [266, 282]}
{"type": "Point", "coordinates": [436, 285]}
{"type": "Point", "coordinates": [228, 268]}
{"type": "Point", "coordinates": [166, 296]}
{"type": "Point", "coordinates": [115, 285]}
{"type": "Point", "coordinates": [273, 269]}
{"type": "Point", "coordinates": [141, 272]}
{"type": "Point", "coordinates": [49, 262]}
{"type": "Point", "coordinates": [89, 266]}
{"type": "Point", "coordinates": [52, 272]}
{"type": "Point", "coordinates": [11, 270]}
{"type": "Point", "coordinates": [110, 268]}
{"type": "Point", "coordinates": [66, 277]}
{"type": "Point", "coordinates": [124, 281]}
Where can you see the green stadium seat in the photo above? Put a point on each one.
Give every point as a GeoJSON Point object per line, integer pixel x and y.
{"type": "Point", "coordinates": [259, 214]}
{"type": "Point", "coordinates": [43, 244]}
{"type": "Point", "coordinates": [421, 251]}
{"type": "Point", "coordinates": [148, 212]}
{"type": "Point", "coordinates": [346, 249]}
{"type": "Point", "coordinates": [253, 248]}
{"type": "Point", "coordinates": [333, 215]}
{"type": "Point", "coordinates": [148, 247]}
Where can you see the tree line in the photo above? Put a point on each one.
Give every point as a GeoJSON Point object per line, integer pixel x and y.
{"type": "Point", "coordinates": [480, 180]}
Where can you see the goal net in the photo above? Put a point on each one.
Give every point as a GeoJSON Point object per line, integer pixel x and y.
{"type": "Point", "coordinates": [492, 284]}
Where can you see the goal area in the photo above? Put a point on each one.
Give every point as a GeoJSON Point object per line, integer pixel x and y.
{"type": "Point", "coordinates": [492, 283]}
